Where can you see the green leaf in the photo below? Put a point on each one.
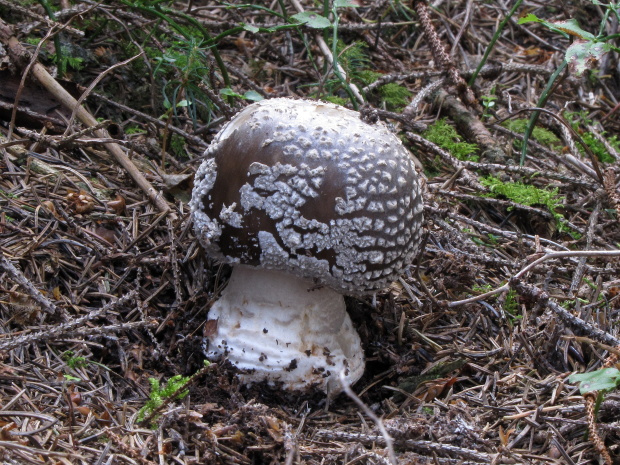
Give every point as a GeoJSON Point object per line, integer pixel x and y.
{"type": "Point", "coordinates": [312, 20]}
{"type": "Point", "coordinates": [605, 379]}
{"type": "Point", "coordinates": [567, 28]}
{"type": "Point", "coordinates": [228, 92]}
{"type": "Point", "coordinates": [250, 28]}
{"type": "Point", "coordinates": [530, 18]}
{"type": "Point", "coordinates": [584, 54]}
{"type": "Point", "coordinates": [572, 28]}
{"type": "Point", "coordinates": [345, 3]}
{"type": "Point", "coordinates": [249, 95]}
{"type": "Point", "coordinates": [253, 96]}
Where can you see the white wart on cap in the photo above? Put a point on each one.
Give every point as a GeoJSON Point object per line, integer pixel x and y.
{"type": "Point", "coordinates": [309, 191]}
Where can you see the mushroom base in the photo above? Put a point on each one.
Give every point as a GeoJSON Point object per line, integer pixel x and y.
{"type": "Point", "coordinates": [275, 327]}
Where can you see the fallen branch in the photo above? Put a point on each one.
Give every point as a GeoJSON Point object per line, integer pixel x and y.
{"type": "Point", "coordinates": [551, 255]}
{"type": "Point", "coordinates": [57, 331]}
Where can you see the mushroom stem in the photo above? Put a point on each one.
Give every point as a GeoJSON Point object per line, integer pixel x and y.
{"type": "Point", "coordinates": [276, 327]}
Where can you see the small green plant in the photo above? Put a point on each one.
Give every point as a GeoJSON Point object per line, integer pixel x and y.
{"type": "Point", "coordinates": [584, 52]}
{"type": "Point", "coordinates": [493, 239]}
{"type": "Point", "coordinates": [488, 103]}
{"type": "Point", "coordinates": [482, 289]}
{"type": "Point", "coordinates": [134, 130]}
{"type": "Point", "coordinates": [183, 67]}
{"type": "Point", "coordinates": [251, 95]}
{"type": "Point", "coordinates": [354, 61]}
{"type": "Point", "coordinates": [511, 307]}
{"type": "Point", "coordinates": [64, 60]}
{"type": "Point", "coordinates": [174, 389]}
{"type": "Point", "coordinates": [74, 361]}
{"type": "Point", "coordinates": [586, 48]}
{"type": "Point", "coordinates": [446, 137]}
{"type": "Point", "coordinates": [67, 61]}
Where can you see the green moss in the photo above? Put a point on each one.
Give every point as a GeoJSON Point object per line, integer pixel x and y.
{"type": "Point", "coordinates": [336, 100]}
{"type": "Point", "coordinates": [579, 121]}
{"type": "Point", "coordinates": [446, 137]}
{"type": "Point", "coordinates": [598, 148]}
{"type": "Point", "coordinates": [511, 304]}
{"type": "Point", "coordinates": [177, 146]}
{"type": "Point", "coordinates": [134, 130]}
{"type": "Point", "coordinates": [542, 135]}
{"type": "Point", "coordinates": [482, 288]}
{"type": "Point", "coordinates": [367, 76]}
{"type": "Point", "coordinates": [524, 194]}
{"type": "Point", "coordinates": [32, 40]}
{"type": "Point", "coordinates": [528, 195]}
{"type": "Point", "coordinates": [395, 96]}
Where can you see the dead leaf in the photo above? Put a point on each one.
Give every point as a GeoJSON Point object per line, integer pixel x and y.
{"type": "Point", "coordinates": [117, 205]}
{"type": "Point", "coordinates": [210, 328]}
{"type": "Point", "coordinates": [179, 186]}
{"type": "Point", "coordinates": [431, 389]}
{"type": "Point", "coordinates": [504, 436]}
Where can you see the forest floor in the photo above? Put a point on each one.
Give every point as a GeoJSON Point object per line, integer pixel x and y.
{"type": "Point", "coordinates": [104, 290]}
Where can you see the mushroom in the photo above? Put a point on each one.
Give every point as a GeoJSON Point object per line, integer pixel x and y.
{"type": "Point", "coordinates": [307, 203]}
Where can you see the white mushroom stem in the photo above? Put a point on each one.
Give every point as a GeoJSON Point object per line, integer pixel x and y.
{"type": "Point", "coordinates": [278, 328]}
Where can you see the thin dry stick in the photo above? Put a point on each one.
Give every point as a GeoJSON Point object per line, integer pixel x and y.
{"type": "Point", "coordinates": [18, 52]}
{"type": "Point", "coordinates": [389, 443]}
{"type": "Point", "coordinates": [580, 270]}
{"type": "Point", "coordinates": [408, 444]}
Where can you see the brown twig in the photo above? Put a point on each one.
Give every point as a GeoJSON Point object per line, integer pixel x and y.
{"type": "Point", "coordinates": [442, 58]}
{"type": "Point", "coordinates": [593, 434]}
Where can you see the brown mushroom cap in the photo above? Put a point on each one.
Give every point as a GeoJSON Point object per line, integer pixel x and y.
{"type": "Point", "coordinates": [307, 187]}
